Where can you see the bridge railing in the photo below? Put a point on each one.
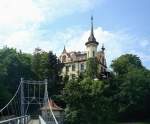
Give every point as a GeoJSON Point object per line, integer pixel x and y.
{"type": "Point", "coordinates": [18, 120]}
{"type": "Point", "coordinates": [41, 120]}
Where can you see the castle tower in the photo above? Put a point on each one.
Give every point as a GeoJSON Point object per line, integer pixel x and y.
{"type": "Point", "coordinates": [91, 44]}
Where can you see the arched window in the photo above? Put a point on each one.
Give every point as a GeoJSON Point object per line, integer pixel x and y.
{"type": "Point", "coordinates": [82, 67]}
{"type": "Point", "coordinates": [73, 67]}
{"type": "Point", "coordinates": [64, 59]}
{"type": "Point", "coordinates": [93, 53]}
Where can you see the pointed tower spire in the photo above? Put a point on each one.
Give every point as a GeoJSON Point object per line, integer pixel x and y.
{"type": "Point", "coordinates": [64, 50]}
{"type": "Point", "coordinates": [92, 33]}
{"type": "Point", "coordinates": [91, 39]}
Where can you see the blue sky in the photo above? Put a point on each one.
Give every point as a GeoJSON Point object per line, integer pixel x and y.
{"type": "Point", "coordinates": [122, 25]}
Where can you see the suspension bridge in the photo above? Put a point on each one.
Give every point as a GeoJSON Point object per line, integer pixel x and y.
{"type": "Point", "coordinates": [25, 107]}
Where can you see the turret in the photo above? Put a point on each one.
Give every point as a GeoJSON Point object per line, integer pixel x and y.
{"type": "Point", "coordinates": [91, 44]}
{"type": "Point", "coordinates": [103, 48]}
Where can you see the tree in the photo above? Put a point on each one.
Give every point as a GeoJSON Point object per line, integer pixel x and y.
{"type": "Point", "coordinates": [13, 66]}
{"type": "Point", "coordinates": [88, 102]}
{"type": "Point", "coordinates": [37, 67]}
{"type": "Point", "coordinates": [46, 65]}
{"type": "Point", "coordinates": [131, 87]}
{"type": "Point", "coordinates": [124, 63]}
{"type": "Point", "coordinates": [55, 68]}
{"type": "Point", "coordinates": [134, 94]}
{"type": "Point", "coordinates": [4, 95]}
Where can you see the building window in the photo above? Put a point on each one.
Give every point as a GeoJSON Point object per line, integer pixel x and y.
{"type": "Point", "coordinates": [67, 68]}
{"type": "Point", "coordinates": [93, 53]}
{"type": "Point", "coordinates": [82, 67]}
{"type": "Point", "coordinates": [73, 67]}
{"type": "Point", "coordinates": [64, 59]}
{"type": "Point", "coordinates": [73, 76]}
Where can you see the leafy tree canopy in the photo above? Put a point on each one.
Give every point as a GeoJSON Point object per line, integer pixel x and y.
{"type": "Point", "coordinates": [87, 102]}
{"type": "Point", "coordinates": [132, 84]}
{"type": "Point", "coordinates": [125, 63]}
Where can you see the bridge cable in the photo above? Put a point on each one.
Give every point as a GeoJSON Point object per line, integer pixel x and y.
{"type": "Point", "coordinates": [52, 112]}
{"type": "Point", "coordinates": [11, 99]}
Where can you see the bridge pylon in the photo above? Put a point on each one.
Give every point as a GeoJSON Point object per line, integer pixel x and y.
{"type": "Point", "coordinates": [22, 100]}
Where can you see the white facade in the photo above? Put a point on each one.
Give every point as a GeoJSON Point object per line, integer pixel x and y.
{"type": "Point", "coordinates": [73, 69]}
{"type": "Point", "coordinates": [91, 50]}
{"type": "Point", "coordinates": [75, 62]}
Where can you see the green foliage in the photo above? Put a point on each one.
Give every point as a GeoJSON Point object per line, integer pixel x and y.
{"type": "Point", "coordinates": [132, 86]}
{"type": "Point", "coordinates": [14, 65]}
{"type": "Point", "coordinates": [134, 95]}
{"type": "Point", "coordinates": [91, 68]}
{"type": "Point", "coordinates": [124, 95]}
{"type": "Point", "coordinates": [45, 65]}
{"type": "Point", "coordinates": [4, 95]}
{"type": "Point", "coordinates": [88, 103]}
{"type": "Point", "coordinates": [124, 63]}
{"type": "Point", "coordinates": [54, 69]}
{"type": "Point", "coordinates": [38, 63]}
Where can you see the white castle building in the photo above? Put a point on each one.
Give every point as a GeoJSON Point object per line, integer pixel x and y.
{"type": "Point", "coordinates": [75, 62]}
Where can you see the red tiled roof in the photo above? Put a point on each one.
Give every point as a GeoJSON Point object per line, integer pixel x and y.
{"type": "Point", "coordinates": [53, 105]}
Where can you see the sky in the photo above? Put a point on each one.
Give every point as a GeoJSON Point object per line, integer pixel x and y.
{"type": "Point", "coordinates": [122, 25]}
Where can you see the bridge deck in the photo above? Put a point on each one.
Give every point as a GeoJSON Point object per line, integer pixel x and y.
{"type": "Point", "coordinates": [34, 121]}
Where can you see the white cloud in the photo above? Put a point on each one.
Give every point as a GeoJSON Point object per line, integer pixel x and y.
{"type": "Point", "coordinates": [18, 14]}
{"type": "Point", "coordinates": [113, 43]}
{"type": "Point", "coordinates": [20, 19]}
{"type": "Point", "coordinates": [116, 43]}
